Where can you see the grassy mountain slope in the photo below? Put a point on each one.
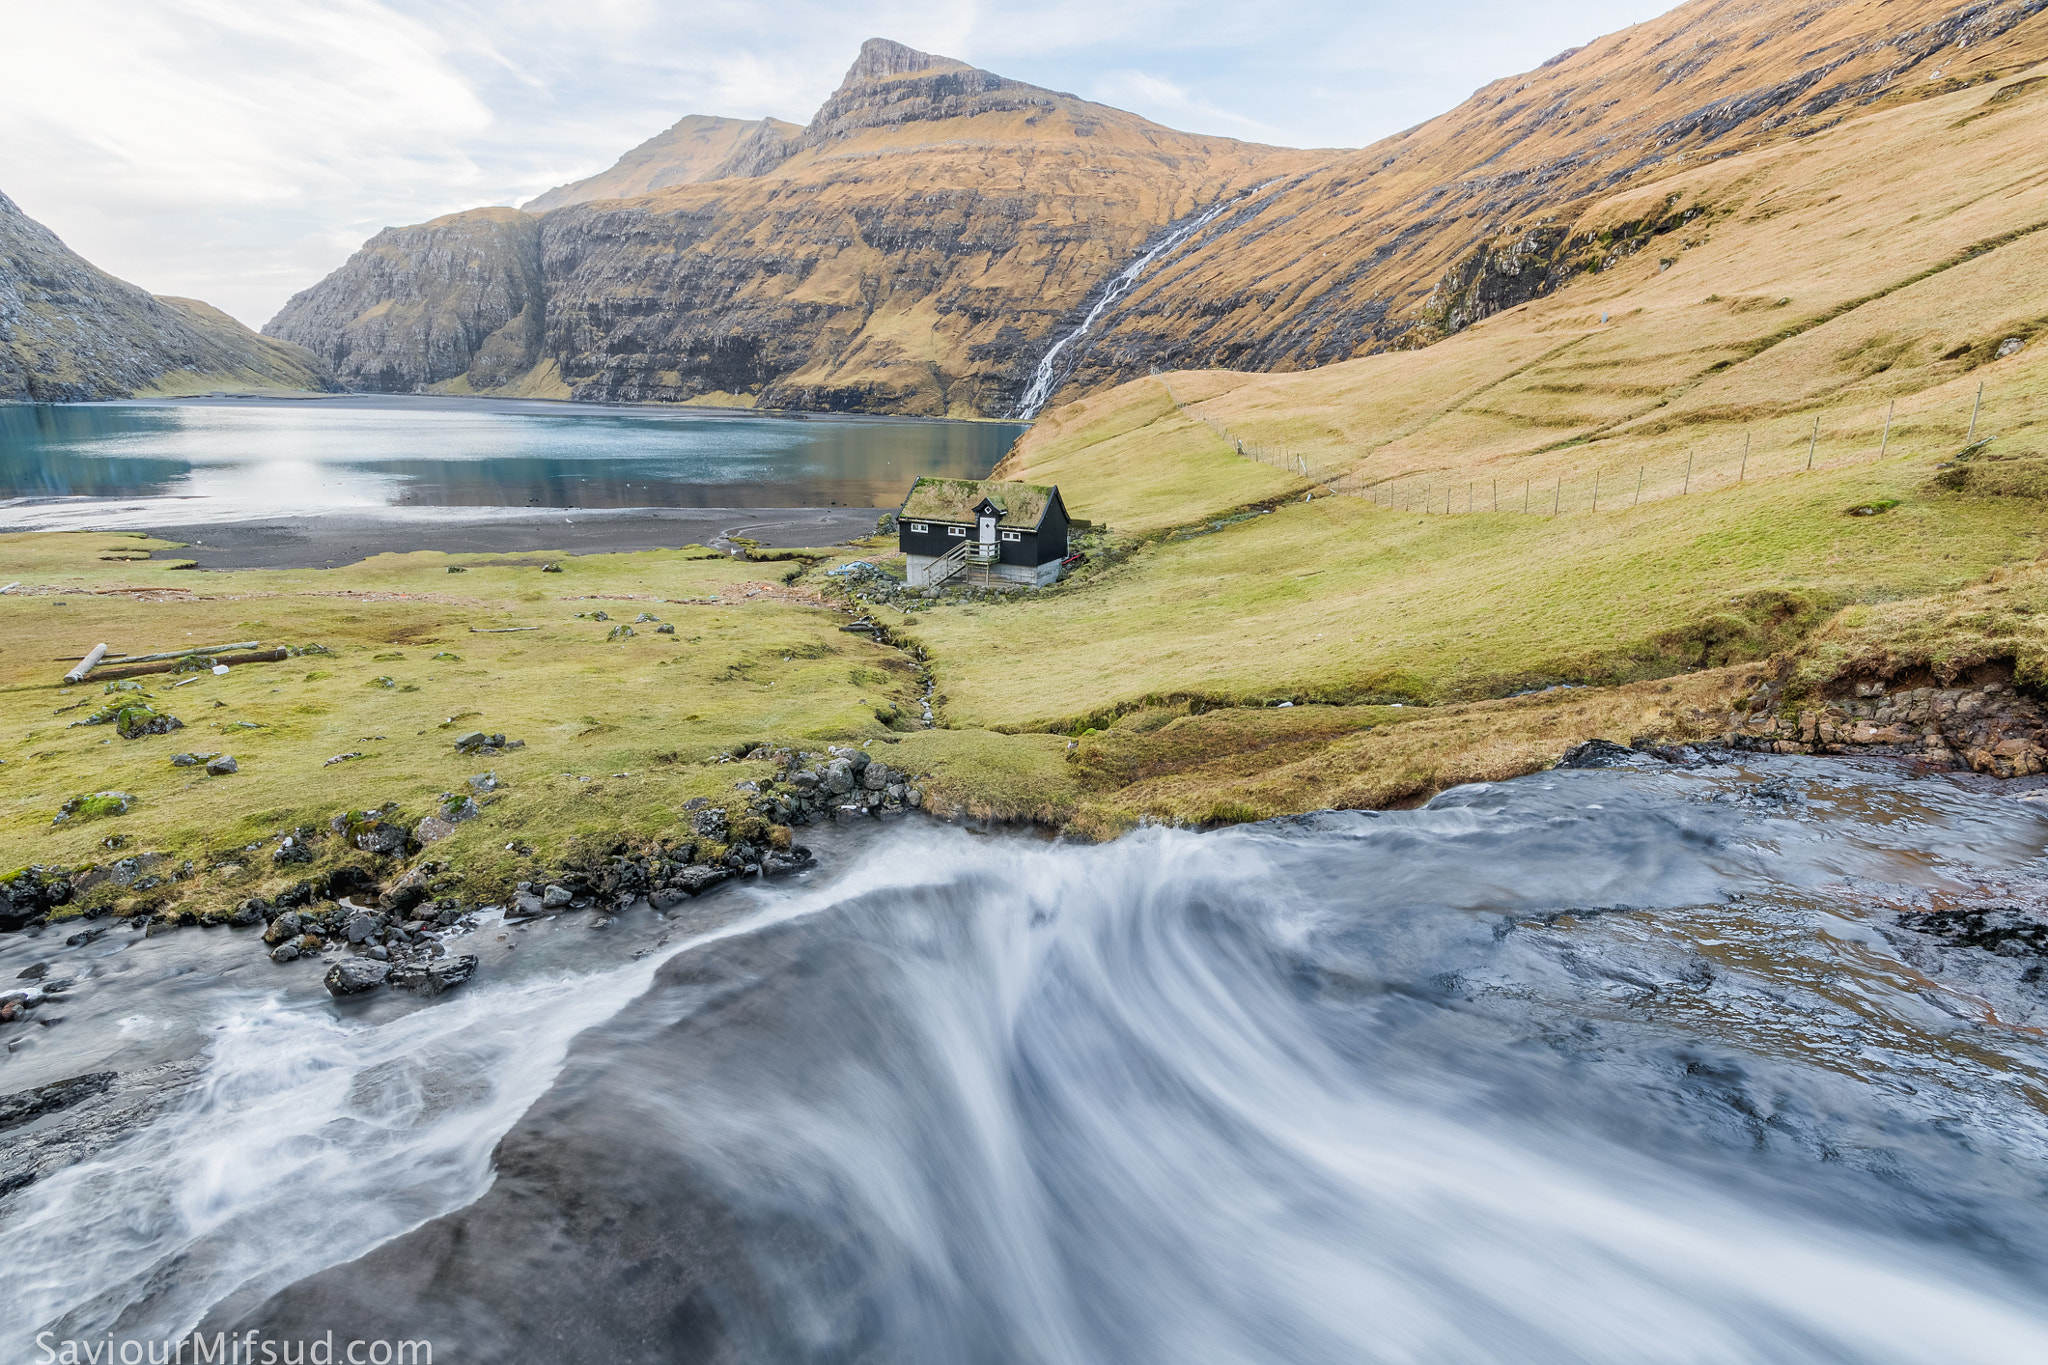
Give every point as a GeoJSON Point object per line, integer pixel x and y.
{"type": "Point", "coordinates": [1786, 300]}
{"type": "Point", "coordinates": [1537, 178]}
{"type": "Point", "coordinates": [696, 147]}
{"type": "Point", "coordinates": [70, 332]}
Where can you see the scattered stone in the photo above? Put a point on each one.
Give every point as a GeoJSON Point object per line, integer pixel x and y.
{"type": "Point", "coordinates": [292, 850]}
{"type": "Point", "coordinates": [664, 629]}
{"type": "Point", "coordinates": [2011, 346]}
{"type": "Point", "coordinates": [355, 975]}
{"type": "Point", "coordinates": [190, 760]}
{"type": "Point", "coordinates": [222, 766]}
{"type": "Point", "coordinates": [555, 897]}
{"type": "Point", "coordinates": [342, 758]}
{"type": "Point", "coordinates": [93, 806]}
{"type": "Point", "coordinates": [551, 568]}
{"type": "Point", "coordinates": [285, 952]}
{"type": "Point", "coordinates": [484, 783]}
{"type": "Point", "coordinates": [35, 971]}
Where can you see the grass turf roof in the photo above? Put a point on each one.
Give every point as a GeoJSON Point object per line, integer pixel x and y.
{"type": "Point", "coordinates": [1023, 504]}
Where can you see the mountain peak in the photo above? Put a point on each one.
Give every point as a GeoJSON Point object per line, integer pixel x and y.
{"type": "Point", "coordinates": [881, 58]}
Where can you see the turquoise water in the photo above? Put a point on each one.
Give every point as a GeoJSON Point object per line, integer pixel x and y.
{"type": "Point", "coordinates": [172, 462]}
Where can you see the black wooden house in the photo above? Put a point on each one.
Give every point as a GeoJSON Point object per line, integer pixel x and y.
{"type": "Point", "coordinates": [986, 531]}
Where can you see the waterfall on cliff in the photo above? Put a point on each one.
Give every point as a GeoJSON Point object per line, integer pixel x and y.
{"type": "Point", "coordinates": [1050, 373]}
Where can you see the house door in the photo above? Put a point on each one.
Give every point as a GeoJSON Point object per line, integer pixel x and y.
{"type": "Point", "coordinates": [988, 532]}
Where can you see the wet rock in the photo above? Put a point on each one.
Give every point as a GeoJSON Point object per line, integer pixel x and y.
{"type": "Point", "coordinates": [776, 864]}
{"type": "Point", "coordinates": [355, 975]}
{"type": "Point", "coordinates": [432, 978]}
{"type": "Point", "coordinates": [249, 912]}
{"type": "Point", "coordinates": [555, 897]}
{"type": "Point", "coordinates": [23, 1105]}
{"type": "Point", "coordinates": [701, 877]}
{"type": "Point", "coordinates": [362, 927]}
{"type": "Point", "coordinates": [35, 971]}
{"type": "Point", "coordinates": [285, 926]}
{"type": "Point", "coordinates": [285, 952]}
{"type": "Point", "coordinates": [1602, 753]}
{"type": "Point", "coordinates": [409, 890]}
{"type": "Point", "coordinates": [2003, 929]}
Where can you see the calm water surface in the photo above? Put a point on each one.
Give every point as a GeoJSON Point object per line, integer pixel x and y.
{"type": "Point", "coordinates": [139, 464]}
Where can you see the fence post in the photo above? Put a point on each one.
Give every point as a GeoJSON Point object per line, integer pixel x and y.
{"type": "Point", "coordinates": [1887, 428]}
{"type": "Point", "coordinates": [1525, 495]}
{"type": "Point", "coordinates": [1468, 497]}
{"type": "Point", "coordinates": [1974, 410]}
{"type": "Point", "coordinates": [1814, 441]}
{"type": "Point", "coordinates": [1688, 475]}
{"type": "Point", "coordinates": [1743, 472]}
{"type": "Point", "coordinates": [1639, 487]}
{"type": "Point", "coordinates": [1596, 490]}
{"type": "Point", "coordinates": [1496, 493]}
{"type": "Point", "coordinates": [1557, 496]}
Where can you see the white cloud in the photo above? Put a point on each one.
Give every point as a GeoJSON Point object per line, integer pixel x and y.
{"type": "Point", "coordinates": [236, 150]}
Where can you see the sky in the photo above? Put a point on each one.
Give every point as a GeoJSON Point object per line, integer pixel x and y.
{"type": "Point", "coordinates": [237, 150]}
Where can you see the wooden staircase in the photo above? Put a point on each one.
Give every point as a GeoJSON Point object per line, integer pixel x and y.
{"type": "Point", "coordinates": [970, 561]}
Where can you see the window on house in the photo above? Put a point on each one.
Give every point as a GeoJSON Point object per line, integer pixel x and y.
{"type": "Point", "coordinates": [956, 530]}
{"type": "Point", "coordinates": [1013, 535]}
{"type": "Point", "coordinates": [919, 527]}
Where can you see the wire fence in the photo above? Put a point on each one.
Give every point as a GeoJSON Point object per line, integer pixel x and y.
{"type": "Point", "coordinates": [1725, 462]}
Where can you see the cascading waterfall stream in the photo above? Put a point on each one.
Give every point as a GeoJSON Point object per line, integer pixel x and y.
{"type": "Point", "coordinates": [1048, 375]}
{"type": "Point", "coordinates": [1617, 1066]}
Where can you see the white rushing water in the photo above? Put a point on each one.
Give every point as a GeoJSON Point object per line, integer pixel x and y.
{"type": "Point", "coordinates": [1595, 1067]}
{"type": "Point", "coordinates": [310, 1139]}
{"type": "Point", "coordinates": [1048, 375]}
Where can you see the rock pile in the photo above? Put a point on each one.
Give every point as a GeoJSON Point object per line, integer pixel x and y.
{"type": "Point", "coordinates": [670, 873]}
{"type": "Point", "coordinates": [1987, 727]}
{"type": "Point", "coordinates": [839, 784]}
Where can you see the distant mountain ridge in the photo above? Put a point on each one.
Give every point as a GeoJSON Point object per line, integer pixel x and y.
{"type": "Point", "coordinates": [697, 147]}
{"type": "Point", "coordinates": [935, 229]}
{"type": "Point", "coordinates": [70, 332]}
{"type": "Point", "coordinates": [910, 250]}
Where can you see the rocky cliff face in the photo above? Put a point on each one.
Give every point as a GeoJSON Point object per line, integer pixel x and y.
{"type": "Point", "coordinates": [70, 332]}
{"type": "Point", "coordinates": [1503, 198]}
{"type": "Point", "coordinates": [699, 147]}
{"type": "Point", "coordinates": [457, 299]}
{"type": "Point", "coordinates": [926, 238]}
{"type": "Point", "coordinates": [912, 250]}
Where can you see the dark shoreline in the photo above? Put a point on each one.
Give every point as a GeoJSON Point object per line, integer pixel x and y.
{"type": "Point", "coordinates": [308, 542]}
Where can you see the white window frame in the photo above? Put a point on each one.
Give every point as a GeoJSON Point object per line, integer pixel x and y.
{"type": "Point", "coordinates": [956, 531]}
{"type": "Point", "coordinates": [1013, 535]}
{"type": "Point", "coordinates": [919, 527]}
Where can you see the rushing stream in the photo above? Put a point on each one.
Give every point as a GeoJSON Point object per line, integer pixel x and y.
{"type": "Point", "coordinates": [1628, 1066]}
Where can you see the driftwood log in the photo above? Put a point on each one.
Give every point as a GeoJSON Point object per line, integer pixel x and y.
{"type": "Point", "coordinates": [87, 664]}
{"type": "Point", "coordinates": [263, 656]}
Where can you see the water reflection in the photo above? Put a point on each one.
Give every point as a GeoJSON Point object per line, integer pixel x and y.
{"type": "Point", "coordinates": [197, 461]}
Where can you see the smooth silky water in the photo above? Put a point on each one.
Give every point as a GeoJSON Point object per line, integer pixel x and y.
{"type": "Point", "coordinates": [1616, 1066]}
{"type": "Point", "coordinates": [168, 463]}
